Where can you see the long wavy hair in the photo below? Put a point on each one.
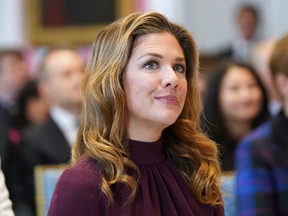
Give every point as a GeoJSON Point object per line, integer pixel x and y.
{"type": "Point", "coordinates": [102, 135]}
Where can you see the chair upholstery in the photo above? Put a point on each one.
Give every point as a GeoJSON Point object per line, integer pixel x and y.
{"type": "Point", "coordinates": [229, 193]}
{"type": "Point", "coordinates": [46, 177]}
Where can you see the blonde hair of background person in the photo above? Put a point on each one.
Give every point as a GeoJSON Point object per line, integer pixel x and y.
{"type": "Point", "coordinates": [279, 67]}
{"type": "Point", "coordinates": [260, 59]}
{"type": "Point", "coordinates": [5, 202]}
{"type": "Point", "coordinates": [102, 135]}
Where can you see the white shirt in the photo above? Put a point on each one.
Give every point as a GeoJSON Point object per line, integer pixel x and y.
{"type": "Point", "coordinates": [67, 122]}
{"type": "Point", "coordinates": [242, 48]}
{"type": "Point", "coordinates": [5, 203]}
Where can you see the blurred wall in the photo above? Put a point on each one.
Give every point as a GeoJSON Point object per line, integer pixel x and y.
{"type": "Point", "coordinates": [12, 23]}
{"type": "Point", "coordinates": [211, 22]}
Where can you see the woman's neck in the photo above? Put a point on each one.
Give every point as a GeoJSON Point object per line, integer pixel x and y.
{"type": "Point", "coordinates": [145, 134]}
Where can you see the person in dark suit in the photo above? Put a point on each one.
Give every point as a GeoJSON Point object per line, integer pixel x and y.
{"type": "Point", "coordinates": [13, 76]}
{"type": "Point", "coordinates": [50, 142]}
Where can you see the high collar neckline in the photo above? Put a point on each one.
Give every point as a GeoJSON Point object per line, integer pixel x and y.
{"type": "Point", "coordinates": [147, 153]}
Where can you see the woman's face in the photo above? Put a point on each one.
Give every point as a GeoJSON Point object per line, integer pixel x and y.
{"type": "Point", "coordinates": [241, 98]}
{"type": "Point", "coordinates": [155, 84]}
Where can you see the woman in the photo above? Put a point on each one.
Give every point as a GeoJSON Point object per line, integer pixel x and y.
{"type": "Point", "coordinates": [235, 103]}
{"type": "Point", "coordinates": [140, 150]}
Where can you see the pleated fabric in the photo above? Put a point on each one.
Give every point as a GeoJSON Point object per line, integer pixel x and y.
{"type": "Point", "coordinates": [162, 190]}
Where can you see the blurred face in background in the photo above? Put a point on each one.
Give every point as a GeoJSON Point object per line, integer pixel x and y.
{"type": "Point", "coordinates": [37, 110]}
{"type": "Point", "coordinates": [13, 74]}
{"type": "Point", "coordinates": [248, 23]}
{"type": "Point", "coordinates": [240, 95]}
{"type": "Point", "coordinates": [64, 69]}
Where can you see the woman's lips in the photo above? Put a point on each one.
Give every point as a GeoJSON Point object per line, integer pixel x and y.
{"type": "Point", "coordinates": [168, 99]}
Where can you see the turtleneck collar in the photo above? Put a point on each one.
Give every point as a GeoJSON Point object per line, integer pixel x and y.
{"type": "Point", "coordinates": [147, 153]}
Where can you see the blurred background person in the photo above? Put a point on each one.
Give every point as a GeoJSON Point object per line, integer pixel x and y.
{"type": "Point", "coordinates": [262, 158]}
{"type": "Point", "coordinates": [235, 102]}
{"type": "Point", "coordinates": [50, 142]}
{"type": "Point", "coordinates": [260, 60]}
{"type": "Point", "coordinates": [207, 67]}
{"type": "Point", "coordinates": [248, 20]}
{"type": "Point", "coordinates": [5, 202]}
{"type": "Point", "coordinates": [13, 76]}
{"type": "Point", "coordinates": [33, 107]}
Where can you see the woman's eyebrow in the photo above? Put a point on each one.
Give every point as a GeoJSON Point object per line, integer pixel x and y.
{"type": "Point", "coordinates": [151, 54]}
{"type": "Point", "coordinates": [178, 59]}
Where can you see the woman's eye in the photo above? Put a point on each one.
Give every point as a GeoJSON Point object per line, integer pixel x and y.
{"type": "Point", "coordinates": [151, 65]}
{"type": "Point", "coordinates": [233, 88]}
{"type": "Point", "coordinates": [252, 86]}
{"type": "Point", "coordinates": [179, 68]}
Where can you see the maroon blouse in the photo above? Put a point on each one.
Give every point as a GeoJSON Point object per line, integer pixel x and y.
{"type": "Point", "coordinates": [162, 190]}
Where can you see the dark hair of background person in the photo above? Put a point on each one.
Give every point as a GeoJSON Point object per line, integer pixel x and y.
{"type": "Point", "coordinates": [30, 91]}
{"type": "Point", "coordinates": [212, 120]}
{"type": "Point", "coordinates": [248, 21]}
{"type": "Point", "coordinates": [251, 8]}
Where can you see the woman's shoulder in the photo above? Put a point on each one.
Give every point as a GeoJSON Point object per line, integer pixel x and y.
{"type": "Point", "coordinates": [82, 178]}
{"type": "Point", "coordinates": [85, 168]}
{"type": "Point", "coordinates": [78, 188]}
{"type": "Point", "coordinates": [85, 173]}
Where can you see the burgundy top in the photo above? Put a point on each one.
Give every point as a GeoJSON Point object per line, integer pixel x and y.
{"type": "Point", "coordinates": [162, 190]}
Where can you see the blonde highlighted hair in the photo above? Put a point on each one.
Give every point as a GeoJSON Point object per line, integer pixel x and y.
{"type": "Point", "coordinates": [102, 135]}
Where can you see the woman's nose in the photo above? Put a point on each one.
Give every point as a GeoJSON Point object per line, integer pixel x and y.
{"type": "Point", "coordinates": [170, 78]}
{"type": "Point", "coordinates": [245, 93]}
